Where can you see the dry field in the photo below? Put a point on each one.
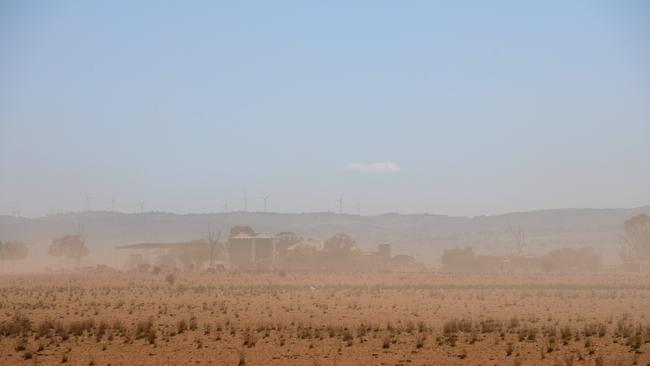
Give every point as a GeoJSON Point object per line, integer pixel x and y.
{"type": "Point", "coordinates": [277, 318]}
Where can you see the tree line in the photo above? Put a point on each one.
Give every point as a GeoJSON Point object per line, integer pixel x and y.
{"type": "Point", "coordinates": [70, 247]}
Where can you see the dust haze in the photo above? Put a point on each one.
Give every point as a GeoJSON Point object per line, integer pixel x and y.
{"type": "Point", "coordinates": [342, 183]}
{"type": "Point", "coordinates": [530, 287]}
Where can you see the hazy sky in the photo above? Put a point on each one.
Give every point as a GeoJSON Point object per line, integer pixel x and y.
{"type": "Point", "coordinates": [461, 108]}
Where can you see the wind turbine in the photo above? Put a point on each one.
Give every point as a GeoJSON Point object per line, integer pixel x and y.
{"type": "Point", "coordinates": [88, 198]}
{"type": "Point", "coordinates": [225, 206]}
{"type": "Point", "coordinates": [15, 212]}
{"type": "Point", "coordinates": [266, 201]}
{"type": "Point", "coordinates": [340, 202]}
{"type": "Point", "coordinates": [141, 205]}
{"type": "Point", "coordinates": [113, 204]}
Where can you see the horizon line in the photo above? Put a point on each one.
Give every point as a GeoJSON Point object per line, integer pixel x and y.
{"type": "Point", "coordinates": [646, 206]}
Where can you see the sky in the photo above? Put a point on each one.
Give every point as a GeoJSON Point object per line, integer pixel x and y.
{"type": "Point", "coordinates": [457, 108]}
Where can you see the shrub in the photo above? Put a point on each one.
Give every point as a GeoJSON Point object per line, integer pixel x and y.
{"type": "Point", "coordinates": [463, 354]}
{"type": "Point", "coordinates": [18, 325]}
{"type": "Point", "coordinates": [43, 328]}
{"type": "Point", "coordinates": [595, 328]}
{"type": "Point", "coordinates": [193, 323]}
{"type": "Point", "coordinates": [145, 329]}
{"type": "Point", "coordinates": [362, 330]}
{"type": "Point", "coordinates": [77, 328]}
{"type": "Point", "coordinates": [249, 339]}
{"type": "Point", "coordinates": [454, 326]}
{"type": "Point", "coordinates": [101, 330]}
{"type": "Point", "coordinates": [347, 337]}
{"type": "Point", "coordinates": [419, 341]}
{"type": "Point", "coordinates": [170, 278]}
{"type": "Point", "coordinates": [21, 345]}
{"type": "Point", "coordinates": [386, 342]}
{"type": "Point", "coordinates": [119, 327]}
{"type": "Point", "coordinates": [565, 333]}
{"type": "Point", "coordinates": [181, 326]}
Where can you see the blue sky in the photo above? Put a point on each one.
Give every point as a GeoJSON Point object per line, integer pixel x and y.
{"type": "Point", "coordinates": [475, 107]}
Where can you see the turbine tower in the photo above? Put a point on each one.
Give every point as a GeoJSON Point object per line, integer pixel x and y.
{"type": "Point", "coordinates": [266, 201]}
{"type": "Point", "coordinates": [113, 204]}
{"type": "Point", "coordinates": [88, 198]}
{"type": "Point", "coordinates": [141, 205]}
{"type": "Point", "coordinates": [340, 202]}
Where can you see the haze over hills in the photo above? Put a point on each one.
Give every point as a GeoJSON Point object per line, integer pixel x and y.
{"type": "Point", "coordinates": [423, 235]}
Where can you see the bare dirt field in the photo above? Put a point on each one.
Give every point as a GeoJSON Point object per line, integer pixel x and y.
{"type": "Point", "coordinates": [277, 318]}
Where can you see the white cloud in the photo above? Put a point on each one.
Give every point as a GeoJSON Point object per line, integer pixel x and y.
{"type": "Point", "coordinates": [382, 167]}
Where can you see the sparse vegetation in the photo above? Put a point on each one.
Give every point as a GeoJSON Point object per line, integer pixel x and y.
{"type": "Point", "coordinates": [351, 316]}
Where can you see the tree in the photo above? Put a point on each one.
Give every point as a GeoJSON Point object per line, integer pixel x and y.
{"type": "Point", "coordinates": [302, 257]}
{"type": "Point", "coordinates": [339, 244]}
{"type": "Point", "coordinates": [13, 251]}
{"type": "Point", "coordinates": [284, 240]}
{"type": "Point", "coordinates": [338, 251]}
{"type": "Point", "coordinates": [458, 259]}
{"type": "Point", "coordinates": [585, 259]}
{"type": "Point", "coordinates": [636, 243]}
{"type": "Point", "coordinates": [194, 255]}
{"type": "Point", "coordinates": [216, 247]}
{"type": "Point", "coordinates": [70, 246]}
{"type": "Point", "coordinates": [241, 230]}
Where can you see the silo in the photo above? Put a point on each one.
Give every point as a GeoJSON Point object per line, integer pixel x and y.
{"type": "Point", "coordinates": [263, 251]}
{"type": "Point", "coordinates": [241, 249]}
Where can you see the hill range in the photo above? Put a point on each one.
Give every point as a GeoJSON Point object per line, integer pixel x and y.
{"type": "Point", "coordinates": [424, 236]}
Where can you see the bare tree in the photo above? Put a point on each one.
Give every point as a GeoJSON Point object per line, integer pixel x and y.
{"type": "Point", "coordinates": [70, 246]}
{"type": "Point", "coordinates": [13, 251]}
{"type": "Point", "coordinates": [636, 242]}
{"type": "Point", "coordinates": [520, 240]}
{"type": "Point", "coordinates": [216, 247]}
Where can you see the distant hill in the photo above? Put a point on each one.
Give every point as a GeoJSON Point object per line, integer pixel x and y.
{"type": "Point", "coordinates": [422, 235]}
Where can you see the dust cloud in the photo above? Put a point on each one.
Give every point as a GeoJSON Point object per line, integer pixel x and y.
{"type": "Point", "coordinates": [246, 297]}
{"type": "Point", "coordinates": [324, 183]}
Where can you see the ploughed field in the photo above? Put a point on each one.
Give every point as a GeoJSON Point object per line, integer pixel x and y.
{"type": "Point", "coordinates": [277, 318]}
